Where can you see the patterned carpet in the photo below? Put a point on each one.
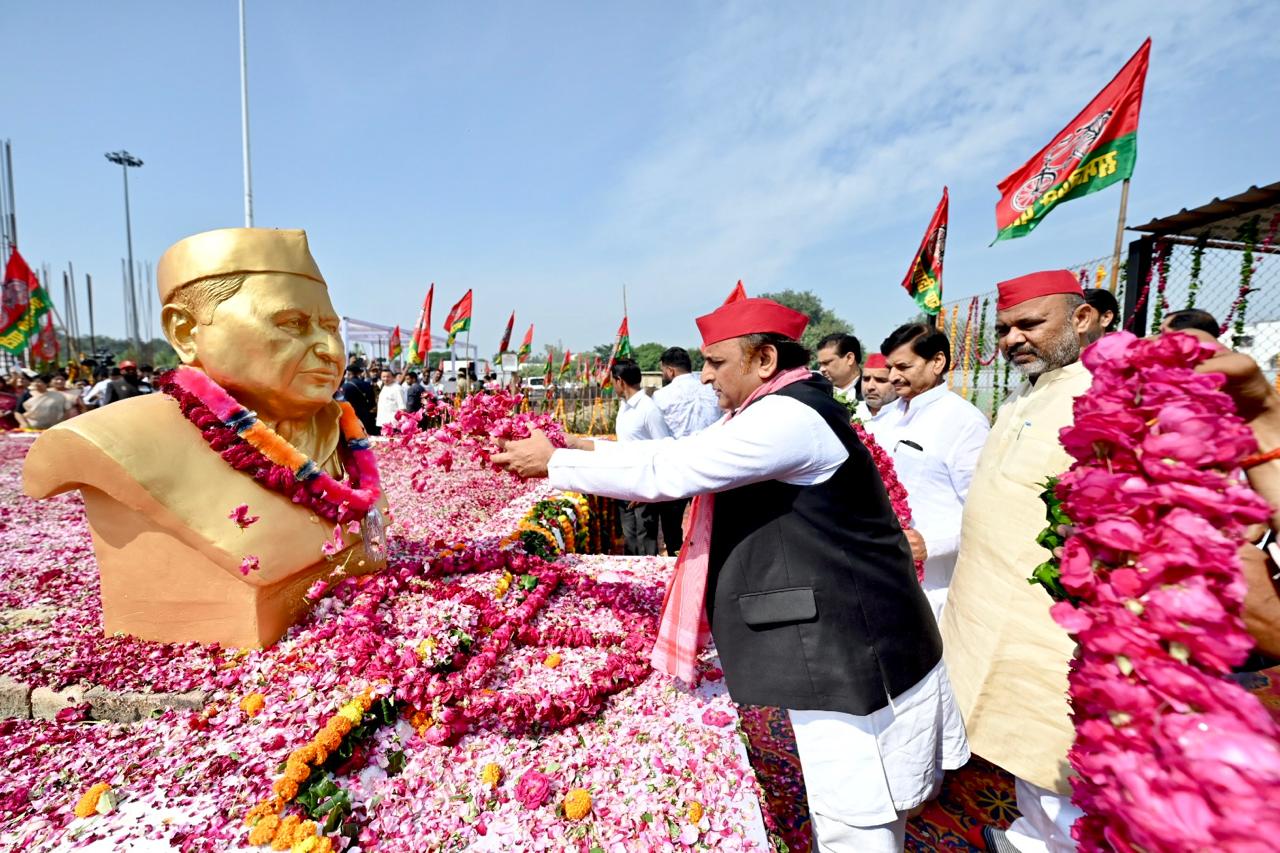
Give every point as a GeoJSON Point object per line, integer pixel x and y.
{"type": "Point", "coordinates": [975, 795]}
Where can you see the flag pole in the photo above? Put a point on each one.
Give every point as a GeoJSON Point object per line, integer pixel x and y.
{"type": "Point", "coordinates": [1115, 254]}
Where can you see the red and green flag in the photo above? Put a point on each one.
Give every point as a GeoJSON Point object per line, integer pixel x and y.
{"type": "Point", "coordinates": [564, 366]}
{"type": "Point", "coordinates": [1095, 150]}
{"type": "Point", "coordinates": [459, 319]}
{"type": "Point", "coordinates": [23, 302]}
{"type": "Point", "coordinates": [393, 345]}
{"type": "Point", "coordinates": [924, 277]}
{"type": "Point", "coordinates": [420, 343]}
{"type": "Point", "coordinates": [622, 349]}
{"type": "Point", "coordinates": [526, 347]}
{"type": "Point", "coordinates": [506, 336]}
{"type": "Point", "coordinates": [45, 346]}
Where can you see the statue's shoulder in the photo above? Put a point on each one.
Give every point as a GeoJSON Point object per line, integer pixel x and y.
{"type": "Point", "coordinates": [136, 434]}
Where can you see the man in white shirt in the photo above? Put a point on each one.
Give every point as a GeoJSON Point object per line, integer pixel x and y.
{"type": "Point", "coordinates": [791, 536]}
{"type": "Point", "coordinates": [935, 446]}
{"type": "Point", "coordinates": [839, 359]}
{"type": "Point", "coordinates": [687, 406]}
{"type": "Point", "coordinates": [638, 420]}
{"type": "Point", "coordinates": [877, 410]}
{"type": "Point", "coordinates": [391, 399]}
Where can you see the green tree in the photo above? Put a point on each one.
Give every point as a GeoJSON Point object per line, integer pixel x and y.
{"type": "Point", "coordinates": [647, 355]}
{"type": "Point", "coordinates": [822, 321]}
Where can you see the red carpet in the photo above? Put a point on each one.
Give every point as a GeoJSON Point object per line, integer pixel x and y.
{"type": "Point", "coordinates": [975, 795]}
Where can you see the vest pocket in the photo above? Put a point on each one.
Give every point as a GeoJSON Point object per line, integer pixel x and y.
{"type": "Point", "coordinates": [796, 604]}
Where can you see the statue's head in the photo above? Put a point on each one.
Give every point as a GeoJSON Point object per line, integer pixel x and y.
{"type": "Point", "coordinates": [249, 307]}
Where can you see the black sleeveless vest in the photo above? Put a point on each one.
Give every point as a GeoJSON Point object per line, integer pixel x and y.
{"type": "Point", "coordinates": [811, 593]}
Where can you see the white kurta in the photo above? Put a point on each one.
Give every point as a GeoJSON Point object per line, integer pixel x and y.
{"type": "Point", "coordinates": [881, 422]}
{"type": "Point", "coordinates": [687, 405]}
{"type": "Point", "coordinates": [391, 399]}
{"type": "Point", "coordinates": [935, 442]}
{"type": "Point", "coordinates": [640, 420]}
{"type": "Point", "coordinates": [864, 769]}
{"type": "Point", "coordinates": [1006, 656]}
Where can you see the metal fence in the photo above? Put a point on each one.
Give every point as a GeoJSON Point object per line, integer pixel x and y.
{"type": "Point", "coordinates": [1230, 269]}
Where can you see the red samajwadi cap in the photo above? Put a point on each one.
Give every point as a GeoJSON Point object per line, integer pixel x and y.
{"type": "Point", "coordinates": [750, 317]}
{"type": "Point", "coordinates": [876, 361]}
{"type": "Point", "coordinates": [1015, 291]}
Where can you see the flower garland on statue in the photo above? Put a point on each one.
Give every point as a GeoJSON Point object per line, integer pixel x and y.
{"type": "Point", "coordinates": [892, 485]}
{"type": "Point", "coordinates": [1170, 755]}
{"type": "Point", "coordinates": [252, 447]}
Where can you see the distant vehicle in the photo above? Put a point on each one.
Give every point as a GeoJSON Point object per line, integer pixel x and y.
{"type": "Point", "coordinates": [534, 383]}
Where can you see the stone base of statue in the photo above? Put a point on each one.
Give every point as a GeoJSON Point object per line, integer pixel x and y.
{"type": "Point", "coordinates": [169, 557]}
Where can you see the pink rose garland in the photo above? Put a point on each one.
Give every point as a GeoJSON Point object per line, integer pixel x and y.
{"type": "Point", "coordinates": [892, 485]}
{"type": "Point", "coordinates": [1170, 756]}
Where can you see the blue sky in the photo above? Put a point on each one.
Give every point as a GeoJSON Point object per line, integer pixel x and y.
{"type": "Point", "coordinates": [545, 154]}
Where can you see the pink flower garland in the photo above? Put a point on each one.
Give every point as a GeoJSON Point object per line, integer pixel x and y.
{"type": "Point", "coordinates": [892, 485]}
{"type": "Point", "coordinates": [1170, 755]}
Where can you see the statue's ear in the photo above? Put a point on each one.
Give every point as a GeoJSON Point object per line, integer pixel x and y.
{"type": "Point", "coordinates": [180, 326]}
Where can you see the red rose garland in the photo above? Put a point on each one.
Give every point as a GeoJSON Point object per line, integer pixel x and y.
{"type": "Point", "coordinates": [892, 485]}
{"type": "Point", "coordinates": [1170, 755]}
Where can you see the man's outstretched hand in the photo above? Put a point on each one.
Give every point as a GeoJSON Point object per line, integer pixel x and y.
{"type": "Point", "coordinates": [527, 457]}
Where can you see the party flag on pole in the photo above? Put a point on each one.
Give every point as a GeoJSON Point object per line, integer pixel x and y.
{"type": "Point", "coordinates": [23, 302]}
{"type": "Point", "coordinates": [45, 346]}
{"type": "Point", "coordinates": [506, 336]}
{"type": "Point", "coordinates": [1095, 150]}
{"type": "Point", "coordinates": [564, 366]}
{"type": "Point", "coordinates": [459, 319]}
{"type": "Point", "coordinates": [420, 343]}
{"type": "Point", "coordinates": [393, 345]}
{"type": "Point", "coordinates": [526, 347]}
{"type": "Point", "coordinates": [924, 277]}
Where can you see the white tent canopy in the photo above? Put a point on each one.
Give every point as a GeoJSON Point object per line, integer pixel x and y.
{"type": "Point", "coordinates": [375, 339]}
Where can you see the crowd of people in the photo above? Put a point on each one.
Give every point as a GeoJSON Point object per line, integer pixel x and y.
{"type": "Point", "coordinates": [793, 559]}
{"type": "Point", "coordinates": [37, 401]}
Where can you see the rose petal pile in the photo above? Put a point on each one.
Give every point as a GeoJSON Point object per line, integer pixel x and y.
{"type": "Point", "coordinates": [1170, 755]}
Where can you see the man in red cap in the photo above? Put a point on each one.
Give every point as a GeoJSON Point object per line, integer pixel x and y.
{"type": "Point", "coordinates": [878, 395]}
{"type": "Point", "coordinates": [1006, 655]}
{"type": "Point", "coordinates": [796, 564]}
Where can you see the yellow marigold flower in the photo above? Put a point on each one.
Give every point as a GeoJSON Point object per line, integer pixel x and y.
{"type": "Point", "coordinates": [297, 773]}
{"type": "Point", "coordinates": [323, 845]}
{"type": "Point", "coordinates": [304, 830]}
{"type": "Point", "coordinates": [88, 803]}
{"type": "Point", "coordinates": [577, 803]}
{"type": "Point", "coordinates": [264, 830]}
{"type": "Point", "coordinates": [491, 775]}
{"type": "Point", "coordinates": [284, 835]}
{"type": "Point", "coordinates": [695, 811]}
{"type": "Point", "coordinates": [252, 704]}
{"type": "Point", "coordinates": [353, 712]}
{"type": "Point", "coordinates": [504, 585]}
{"type": "Point", "coordinates": [426, 647]}
{"type": "Point", "coordinates": [341, 725]}
{"type": "Point", "coordinates": [306, 845]}
{"type": "Point", "coordinates": [551, 661]}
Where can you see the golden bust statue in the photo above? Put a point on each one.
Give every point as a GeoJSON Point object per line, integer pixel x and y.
{"type": "Point", "coordinates": [249, 315]}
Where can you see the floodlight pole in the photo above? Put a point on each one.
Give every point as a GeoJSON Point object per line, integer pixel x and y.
{"type": "Point", "coordinates": [127, 161]}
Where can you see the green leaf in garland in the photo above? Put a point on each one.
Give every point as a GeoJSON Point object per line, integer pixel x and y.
{"type": "Point", "coordinates": [395, 762]}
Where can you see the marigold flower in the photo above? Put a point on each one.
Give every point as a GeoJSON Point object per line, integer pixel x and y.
{"type": "Point", "coordinates": [341, 725]}
{"type": "Point", "coordinates": [304, 830]}
{"type": "Point", "coordinates": [491, 775]}
{"type": "Point", "coordinates": [296, 772]}
{"type": "Point", "coordinates": [324, 844]}
{"type": "Point", "coordinates": [286, 788]}
{"type": "Point", "coordinates": [577, 803]}
{"type": "Point", "coordinates": [253, 704]}
{"type": "Point", "coordinates": [306, 754]}
{"type": "Point", "coordinates": [551, 661]}
{"type": "Point", "coordinates": [695, 811]}
{"type": "Point", "coordinates": [264, 830]}
{"type": "Point", "coordinates": [305, 845]}
{"type": "Point", "coordinates": [352, 712]}
{"type": "Point", "coordinates": [284, 835]}
{"type": "Point", "coordinates": [328, 739]}
{"type": "Point", "coordinates": [88, 803]}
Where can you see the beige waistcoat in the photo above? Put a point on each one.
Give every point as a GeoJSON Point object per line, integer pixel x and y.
{"type": "Point", "coordinates": [1006, 657]}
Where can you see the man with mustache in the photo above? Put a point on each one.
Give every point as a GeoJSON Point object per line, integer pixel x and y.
{"type": "Point", "coordinates": [1006, 655]}
{"type": "Point", "coordinates": [878, 395]}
